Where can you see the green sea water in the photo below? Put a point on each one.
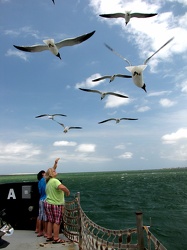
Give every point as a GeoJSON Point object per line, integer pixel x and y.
{"type": "Point", "coordinates": [111, 199]}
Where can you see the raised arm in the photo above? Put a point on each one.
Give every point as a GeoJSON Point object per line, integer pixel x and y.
{"type": "Point", "coordinates": [56, 163]}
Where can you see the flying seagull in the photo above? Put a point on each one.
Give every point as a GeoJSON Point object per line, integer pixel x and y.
{"type": "Point", "coordinates": [49, 116]}
{"type": "Point", "coordinates": [137, 71]}
{"type": "Point", "coordinates": [111, 77]}
{"type": "Point", "coordinates": [128, 15]}
{"type": "Point", "coordinates": [103, 94]}
{"type": "Point", "coordinates": [53, 1]}
{"type": "Point", "coordinates": [66, 128]}
{"type": "Point", "coordinates": [117, 120]}
{"type": "Point", "coordinates": [54, 47]}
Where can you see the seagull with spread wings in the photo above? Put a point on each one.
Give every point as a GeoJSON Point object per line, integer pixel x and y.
{"type": "Point", "coordinates": [117, 120]}
{"type": "Point", "coordinates": [137, 71]}
{"type": "Point", "coordinates": [111, 77]}
{"type": "Point", "coordinates": [128, 15]}
{"type": "Point", "coordinates": [103, 94]}
{"type": "Point", "coordinates": [49, 116]}
{"type": "Point", "coordinates": [66, 128]}
{"type": "Point", "coordinates": [49, 44]}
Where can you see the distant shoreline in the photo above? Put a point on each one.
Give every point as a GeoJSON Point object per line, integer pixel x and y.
{"type": "Point", "coordinates": [155, 169]}
{"type": "Point", "coordinates": [32, 177]}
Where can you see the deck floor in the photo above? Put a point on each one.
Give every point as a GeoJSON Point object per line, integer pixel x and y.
{"type": "Point", "coordinates": [27, 240]}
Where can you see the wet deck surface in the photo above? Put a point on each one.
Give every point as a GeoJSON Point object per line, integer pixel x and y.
{"type": "Point", "coordinates": [27, 240]}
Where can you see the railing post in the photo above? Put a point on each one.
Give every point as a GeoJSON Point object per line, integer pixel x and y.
{"type": "Point", "coordinates": [139, 222]}
{"type": "Point", "coordinates": [79, 222]}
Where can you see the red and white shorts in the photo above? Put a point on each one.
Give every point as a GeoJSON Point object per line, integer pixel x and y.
{"type": "Point", "coordinates": [54, 213]}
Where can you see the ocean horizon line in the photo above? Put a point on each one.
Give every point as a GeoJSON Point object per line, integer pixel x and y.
{"type": "Point", "coordinates": [103, 171]}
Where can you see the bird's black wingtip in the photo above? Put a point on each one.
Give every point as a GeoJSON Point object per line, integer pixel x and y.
{"type": "Point", "coordinates": [17, 47]}
{"type": "Point", "coordinates": [82, 89]}
{"type": "Point", "coordinates": [21, 48]}
{"type": "Point", "coordinates": [108, 46]}
{"type": "Point", "coordinates": [91, 33]}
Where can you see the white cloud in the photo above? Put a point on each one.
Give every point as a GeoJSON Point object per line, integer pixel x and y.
{"type": "Point", "coordinates": [12, 32]}
{"type": "Point", "coordinates": [88, 82]}
{"type": "Point", "coordinates": [17, 53]}
{"type": "Point", "coordinates": [24, 32]}
{"type": "Point", "coordinates": [178, 153]}
{"type": "Point", "coordinates": [142, 158]}
{"type": "Point", "coordinates": [86, 148]}
{"type": "Point", "coordinates": [80, 156]}
{"type": "Point", "coordinates": [166, 103]}
{"type": "Point", "coordinates": [143, 109]}
{"type": "Point", "coordinates": [184, 2]}
{"type": "Point", "coordinates": [174, 137]}
{"type": "Point", "coordinates": [165, 26]}
{"type": "Point", "coordinates": [18, 151]}
{"type": "Point", "coordinates": [126, 155]}
{"type": "Point", "coordinates": [113, 101]}
{"type": "Point", "coordinates": [184, 87]}
{"type": "Point", "coordinates": [64, 143]}
{"type": "Point", "coordinates": [120, 146]}
{"type": "Point", "coordinates": [159, 93]}
{"type": "Point", "coordinates": [104, 6]}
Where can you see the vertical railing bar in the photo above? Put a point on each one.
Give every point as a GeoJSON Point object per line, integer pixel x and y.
{"type": "Point", "coordinates": [79, 222]}
{"type": "Point", "coordinates": [140, 235]}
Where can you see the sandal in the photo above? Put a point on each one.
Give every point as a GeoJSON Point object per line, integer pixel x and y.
{"type": "Point", "coordinates": [49, 239]}
{"type": "Point", "coordinates": [58, 241]}
{"type": "Point", "coordinates": [39, 235]}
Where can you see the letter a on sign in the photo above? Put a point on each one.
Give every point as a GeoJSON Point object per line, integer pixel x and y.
{"type": "Point", "coordinates": [11, 194]}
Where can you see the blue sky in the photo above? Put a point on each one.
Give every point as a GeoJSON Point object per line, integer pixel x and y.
{"type": "Point", "coordinates": [32, 84]}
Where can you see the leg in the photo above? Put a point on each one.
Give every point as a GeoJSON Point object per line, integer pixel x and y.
{"type": "Point", "coordinates": [43, 219]}
{"type": "Point", "coordinates": [49, 230]}
{"type": "Point", "coordinates": [40, 228]}
{"type": "Point", "coordinates": [49, 218]}
{"type": "Point", "coordinates": [45, 228]}
{"type": "Point", "coordinates": [36, 230]}
{"type": "Point", "coordinates": [56, 229]}
{"type": "Point", "coordinates": [40, 224]}
{"type": "Point", "coordinates": [56, 226]}
{"type": "Point", "coordinates": [57, 240]}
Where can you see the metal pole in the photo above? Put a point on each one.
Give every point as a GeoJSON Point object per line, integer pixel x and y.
{"type": "Point", "coordinates": [139, 222]}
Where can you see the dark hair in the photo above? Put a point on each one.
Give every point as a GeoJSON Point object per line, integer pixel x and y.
{"type": "Point", "coordinates": [40, 175]}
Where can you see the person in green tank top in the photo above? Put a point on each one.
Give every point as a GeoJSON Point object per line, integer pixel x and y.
{"type": "Point", "coordinates": [55, 200]}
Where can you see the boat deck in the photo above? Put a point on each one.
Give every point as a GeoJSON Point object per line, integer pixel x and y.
{"type": "Point", "coordinates": [27, 240]}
